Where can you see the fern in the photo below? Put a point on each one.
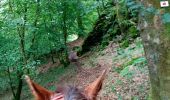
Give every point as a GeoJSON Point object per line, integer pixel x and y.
{"type": "Point", "coordinates": [133, 7]}
{"type": "Point", "coordinates": [166, 17]}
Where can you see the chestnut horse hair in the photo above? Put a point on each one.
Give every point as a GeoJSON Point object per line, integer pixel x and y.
{"type": "Point", "coordinates": [90, 92]}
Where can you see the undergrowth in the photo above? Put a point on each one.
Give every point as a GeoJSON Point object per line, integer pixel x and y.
{"type": "Point", "coordinates": [131, 81]}
{"type": "Point", "coordinates": [49, 79]}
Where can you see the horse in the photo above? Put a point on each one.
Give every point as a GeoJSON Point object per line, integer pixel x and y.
{"type": "Point", "coordinates": [74, 59]}
{"type": "Point", "coordinates": [90, 92]}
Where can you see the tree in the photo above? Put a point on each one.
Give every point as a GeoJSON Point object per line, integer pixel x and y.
{"type": "Point", "coordinates": [154, 23]}
{"type": "Point", "coordinates": [100, 6]}
{"type": "Point", "coordinates": [37, 13]}
{"type": "Point", "coordinates": [79, 18]}
{"type": "Point", "coordinates": [33, 30]}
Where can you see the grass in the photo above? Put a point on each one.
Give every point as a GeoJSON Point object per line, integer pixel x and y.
{"type": "Point", "coordinates": [51, 76]}
{"type": "Point", "coordinates": [131, 73]}
{"type": "Point", "coordinates": [132, 64]}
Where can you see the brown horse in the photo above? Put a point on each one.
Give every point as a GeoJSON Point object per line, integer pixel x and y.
{"type": "Point", "coordinates": [67, 93]}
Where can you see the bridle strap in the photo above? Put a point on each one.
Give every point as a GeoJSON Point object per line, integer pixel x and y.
{"type": "Point", "coordinates": [58, 96]}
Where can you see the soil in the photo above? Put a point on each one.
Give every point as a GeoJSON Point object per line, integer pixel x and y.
{"type": "Point", "coordinates": [94, 63]}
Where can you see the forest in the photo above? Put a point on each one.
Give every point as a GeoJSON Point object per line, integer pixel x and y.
{"type": "Point", "coordinates": [84, 50]}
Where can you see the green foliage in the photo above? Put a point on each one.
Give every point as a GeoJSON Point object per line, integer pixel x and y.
{"type": "Point", "coordinates": [119, 97]}
{"type": "Point", "coordinates": [125, 43]}
{"type": "Point", "coordinates": [33, 29]}
{"type": "Point", "coordinates": [135, 61]}
{"type": "Point", "coordinates": [125, 71]}
{"type": "Point", "coordinates": [4, 83]}
{"type": "Point", "coordinates": [54, 73]}
{"type": "Point", "coordinates": [118, 82]}
{"type": "Point", "coordinates": [134, 6]}
{"type": "Point", "coordinates": [49, 79]}
{"type": "Point", "coordinates": [77, 48]}
{"type": "Point", "coordinates": [125, 23]}
{"type": "Point", "coordinates": [167, 30]}
{"type": "Point", "coordinates": [165, 18]}
{"type": "Point", "coordinates": [132, 31]}
{"type": "Point", "coordinates": [113, 88]}
{"type": "Point", "coordinates": [135, 98]}
{"type": "Point", "coordinates": [127, 53]}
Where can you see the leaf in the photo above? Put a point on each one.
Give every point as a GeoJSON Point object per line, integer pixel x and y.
{"type": "Point", "coordinates": [150, 9]}
{"type": "Point", "coordinates": [130, 3]}
{"type": "Point", "coordinates": [125, 71]}
{"type": "Point", "coordinates": [166, 18]}
{"type": "Point", "coordinates": [139, 60]}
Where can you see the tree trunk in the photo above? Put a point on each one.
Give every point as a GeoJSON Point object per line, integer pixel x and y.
{"type": "Point", "coordinates": [37, 13]}
{"type": "Point", "coordinates": [19, 88]}
{"type": "Point", "coordinates": [156, 40]}
{"type": "Point", "coordinates": [79, 18]}
{"type": "Point", "coordinates": [21, 31]}
{"type": "Point", "coordinates": [52, 56]}
{"type": "Point", "coordinates": [64, 16]}
{"type": "Point", "coordinates": [103, 4]}
{"type": "Point", "coordinates": [98, 9]}
{"type": "Point", "coordinates": [10, 82]}
{"type": "Point", "coordinates": [64, 52]}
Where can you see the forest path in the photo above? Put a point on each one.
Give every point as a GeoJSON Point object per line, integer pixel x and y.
{"type": "Point", "coordinates": [93, 63]}
{"type": "Point", "coordinates": [127, 73]}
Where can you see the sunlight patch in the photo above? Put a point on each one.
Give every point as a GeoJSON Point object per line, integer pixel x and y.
{"type": "Point", "coordinates": [72, 37]}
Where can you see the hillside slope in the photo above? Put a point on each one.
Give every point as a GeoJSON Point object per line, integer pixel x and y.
{"type": "Point", "coordinates": [127, 73]}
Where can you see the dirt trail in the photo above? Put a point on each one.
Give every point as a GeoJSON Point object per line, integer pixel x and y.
{"type": "Point", "coordinates": [115, 85]}
{"type": "Point", "coordinates": [93, 65]}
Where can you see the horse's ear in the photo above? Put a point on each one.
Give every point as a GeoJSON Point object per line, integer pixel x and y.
{"type": "Point", "coordinates": [92, 89]}
{"type": "Point", "coordinates": [38, 91]}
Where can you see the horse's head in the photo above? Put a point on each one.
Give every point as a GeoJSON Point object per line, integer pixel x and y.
{"type": "Point", "coordinates": [67, 93]}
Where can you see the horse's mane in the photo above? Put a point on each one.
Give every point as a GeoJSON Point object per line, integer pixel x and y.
{"type": "Point", "coordinates": [67, 92]}
{"type": "Point", "coordinates": [72, 93]}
